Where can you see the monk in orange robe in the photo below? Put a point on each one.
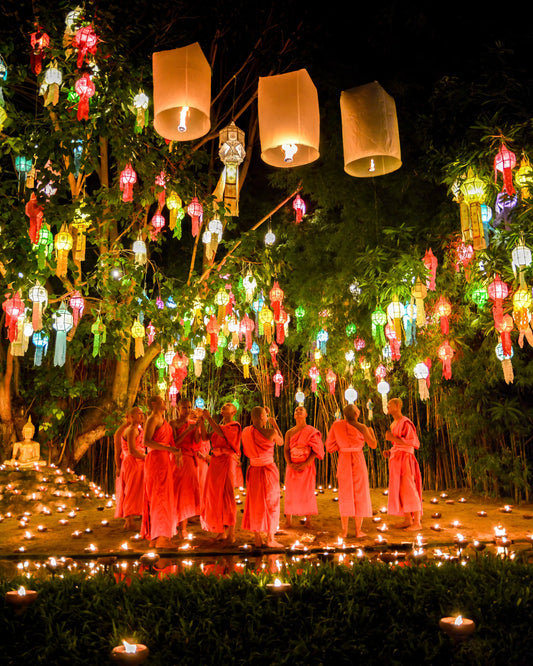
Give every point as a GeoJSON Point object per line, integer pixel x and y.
{"type": "Point", "coordinates": [261, 508]}
{"type": "Point", "coordinates": [132, 469]}
{"type": "Point", "coordinates": [348, 437]}
{"type": "Point", "coordinates": [187, 438]}
{"type": "Point", "coordinates": [120, 448]}
{"type": "Point", "coordinates": [303, 444]}
{"type": "Point", "coordinates": [405, 480]}
{"type": "Point", "coordinates": [219, 510]}
{"type": "Point", "coordinates": [159, 513]}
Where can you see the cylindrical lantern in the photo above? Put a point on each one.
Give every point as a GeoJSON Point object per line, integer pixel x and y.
{"type": "Point", "coordinates": [370, 133]}
{"type": "Point", "coordinates": [289, 119]}
{"type": "Point", "coordinates": [182, 93]}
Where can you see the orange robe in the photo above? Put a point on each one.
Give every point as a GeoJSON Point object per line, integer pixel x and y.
{"type": "Point", "coordinates": [352, 473]}
{"type": "Point", "coordinates": [203, 465]}
{"type": "Point", "coordinates": [119, 488]}
{"type": "Point", "coordinates": [261, 508]}
{"type": "Point", "coordinates": [186, 486]}
{"type": "Point", "coordinates": [219, 507]}
{"type": "Point", "coordinates": [300, 498]}
{"type": "Point", "coordinates": [405, 480]}
{"type": "Point", "coordinates": [159, 515]}
{"type": "Point", "coordinates": [131, 480]}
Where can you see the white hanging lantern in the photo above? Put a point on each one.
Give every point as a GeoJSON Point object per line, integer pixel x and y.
{"type": "Point", "coordinates": [383, 389]}
{"type": "Point", "coordinates": [38, 295]}
{"type": "Point", "coordinates": [299, 397]}
{"type": "Point", "coordinates": [139, 251]}
{"type": "Point", "coordinates": [421, 372]}
{"type": "Point", "coordinates": [198, 357]}
{"type": "Point", "coordinates": [182, 93]}
{"type": "Point", "coordinates": [289, 119]}
{"type": "Point", "coordinates": [350, 395]}
{"type": "Point", "coordinates": [270, 238]}
{"type": "Point", "coordinates": [370, 133]}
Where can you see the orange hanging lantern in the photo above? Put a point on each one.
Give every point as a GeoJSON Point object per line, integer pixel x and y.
{"type": "Point", "coordinates": [445, 354]}
{"type": "Point", "coordinates": [276, 295]}
{"type": "Point", "coordinates": [85, 40]}
{"type": "Point", "coordinates": [504, 329]}
{"type": "Point", "coordinates": [299, 206]}
{"type": "Point", "coordinates": [36, 213]}
{"type": "Point", "coordinates": [278, 381]}
{"type": "Point", "coordinates": [246, 359]}
{"type": "Point", "coordinates": [182, 93]}
{"type": "Point", "coordinates": [63, 243]}
{"type": "Point", "coordinates": [39, 41]}
{"type": "Point", "coordinates": [521, 305]}
{"type": "Point", "coordinates": [196, 211]}
{"type": "Point", "coordinates": [289, 119]}
{"type": "Point", "coordinates": [370, 135]}
{"type": "Point", "coordinates": [505, 161]}
{"type": "Point", "coordinates": [280, 326]}
{"type": "Point", "coordinates": [222, 298]}
{"type": "Point", "coordinates": [213, 328]}
{"type": "Point", "coordinates": [443, 310]}
{"type": "Point", "coordinates": [274, 349]}
{"type": "Point", "coordinates": [84, 87]}
{"type": "Point", "coordinates": [394, 343]}
{"type": "Point", "coordinates": [431, 263]}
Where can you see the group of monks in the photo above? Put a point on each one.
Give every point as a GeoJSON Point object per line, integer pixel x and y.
{"type": "Point", "coordinates": [171, 471]}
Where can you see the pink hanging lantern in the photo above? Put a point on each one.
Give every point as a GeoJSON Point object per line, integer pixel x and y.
{"type": "Point", "coordinates": [505, 161]}
{"type": "Point", "coordinates": [278, 381]}
{"type": "Point", "coordinates": [445, 354]}
{"type": "Point", "coordinates": [274, 349]}
{"type": "Point", "coordinates": [196, 211]}
{"type": "Point", "coordinates": [314, 374]}
{"type": "Point", "coordinates": [173, 394]}
{"type": "Point", "coordinates": [35, 212]}
{"type": "Point", "coordinates": [77, 303]}
{"type": "Point", "coordinates": [359, 344]}
{"type": "Point", "coordinates": [128, 178]}
{"type": "Point", "coordinates": [394, 343]}
{"type": "Point", "coordinates": [331, 379]}
{"type": "Point", "coordinates": [85, 40]}
{"type": "Point", "coordinates": [431, 263]}
{"type": "Point", "coordinates": [465, 254]}
{"type": "Point", "coordinates": [84, 87]}
{"type": "Point", "coordinates": [498, 292]}
{"type": "Point", "coordinates": [157, 222]}
{"type": "Point", "coordinates": [161, 181]}
{"type": "Point", "coordinates": [150, 332]}
{"type": "Point", "coordinates": [14, 308]}
{"type": "Point", "coordinates": [299, 206]}
{"type": "Point", "coordinates": [246, 328]}
{"type": "Point", "coordinates": [380, 372]}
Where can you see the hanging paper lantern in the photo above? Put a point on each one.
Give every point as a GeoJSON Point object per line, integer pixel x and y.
{"type": "Point", "coordinates": [35, 212]}
{"type": "Point", "coordinates": [331, 379]}
{"type": "Point", "coordinates": [505, 161]}
{"type": "Point", "coordinates": [270, 237]}
{"type": "Point", "coordinates": [365, 366]}
{"type": "Point", "coordinates": [50, 86]}
{"type": "Point", "coordinates": [14, 308]}
{"type": "Point", "coordinates": [231, 152]}
{"type": "Point", "coordinates": [419, 293]}
{"type": "Point", "coordinates": [3, 114]}
{"type": "Point", "coordinates": [23, 166]}
{"type": "Point", "coordinates": [409, 322]}
{"type": "Point", "coordinates": [196, 211]}
{"type": "Point", "coordinates": [370, 408]}
{"type": "Point", "coordinates": [63, 242]}
{"type": "Point", "coordinates": [278, 381]}
{"type": "Point", "coordinates": [139, 251]}
{"type": "Point", "coordinates": [394, 343]}
{"type": "Point", "coordinates": [521, 305]}
{"type": "Point", "coordinates": [351, 329]}
{"type": "Point", "coordinates": [349, 356]}
{"type": "Point", "coordinates": [350, 395]}
{"type": "Point", "coordinates": [246, 328]}
{"type": "Point", "coordinates": [504, 329]}
{"type": "Point", "coordinates": [157, 222]}
{"type": "Point", "coordinates": [222, 299]}
{"type": "Point", "coordinates": [521, 259]}
{"type": "Point", "coordinates": [98, 329]}
{"type": "Point", "coordinates": [445, 354]}
{"type": "Point", "coordinates": [39, 41]}
{"type": "Point", "coordinates": [479, 295]}
{"type": "Point", "coordinates": [45, 246]}
{"type": "Point", "coordinates": [80, 225]}
{"type": "Point", "coordinates": [314, 374]}
{"type": "Point", "coordinates": [383, 389]}
{"type": "Point", "coordinates": [161, 186]}
{"type": "Point", "coordinates": [173, 394]}
{"type": "Point", "coordinates": [524, 178]}
{"type": "Point", "coordinates": [473, 191]}
{"type": "Point", "coordinates": [176, 213]}
{"type": "Point", "coordinates": [182, 93]}
{"type": "Point", "coordinates": [395, 312]}
{"type": "Point", "coordinates": [274, 349]}
{"type": "Point", "coordinates": [150, 332]}
{"type": "Point", "coordinates": [63, 322]}
{"type": "Point", "coordinates": [281, 326]}
{"type": "Point", "coordinates": [507, 365]}
{"type": "Point", "coordinates": [3, 77]}
{"type": "Point", "coordinates": [443, 310]}
{"type": "Point", "coordinates": [198, 357]}
{"type": "Point", "coordinates": [299, 397]}
{"type": "Point", "coordinates": [378, 319]}
{"type": "Point", "coordinates": [370, 133]}
{"type": "Point", "coordinates": [77, 303]}
{"type": "Point", "coordinates": [85, 40]}
{"type": "Point", "coordinates": [299, 313]}
{"type": "Point", "coordinates": [355, 290]}
{"type": "Point", "coordinates": [322, 340]}
{"type": "Point", "coordinates": [359, 344]}
{"type": "Point", "coordinates": [128, 178]}
{"type": "Point", "coordinates": [498, 292]}
{"type": "Point", "coordinates": [40, 341]}
{"type": "Point", "coordinates": [289, 119]}
{"type": "Point", "coordinates": [421, 372]}
{"type": "Point", "coordinates": [213, 329]}
{"type": "Point", "coordinates": [161, 366]}
{"type": "Point", "coordinates": [84, 87]}
{"type": "Point", "coordinates": [38, 295]}
{"type": "Point", "coordinates": [299, 206]}
{"type": "Point", "coordinates": [276, 295]}
{"type": "Point", "coordinates": [137, 333]}
{"type": "Point", "coordinates": [266, 319]}
{"type": "Point", "coordinates": [140, 104]}
{"type": "Point", "coordinates": [250, 285]}
{"type": "Point", "coordinates": [465, 254]}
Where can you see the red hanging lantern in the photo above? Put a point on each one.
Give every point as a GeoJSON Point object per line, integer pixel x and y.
{"type": "Point", "coordinates": [445, 354]}
{"type": "Point", "coordinates": [128, 178]}
{"type": "Point", "coordinates": [39, 41]}
{"type": "Point", "coordinates": [85, 89]}
{"type": "Point", "coordinates": [35, 212]}
{"type": "Point", "coordinates": [85, 40]}
{"type": "Point", "coordinates": [274, 349]}
{"type": "Point", "coordinates": [280, 326]}
{"type": "Point", "coordinates": [161, 181]}
{"type": "Point", "coordinates": [359, 344]}
{"type": "Point", "coordinates": [465, 254]}
{"type": "Point", "coordinates": [278, 381]}
{"type": "Point", "coordinates": [505, 161]}
{"type": "Point", "coordinates": [299, 206]}
{"type": "Point", "coordinates": [196, 211]}
{"type": "Point", "coordinates": [14, 308]}
{"type": "Point", "coordinates": [380, 372]}
{"type": "Point", "coordinates": [331, 379]}
{"type": "Point", "coordinates": [213, 328]}
{"type": "Point", "coordinates": [314, 374]}
{"type": "Point", "coordinates": [246, 327]}
{"type": "Point", "coordinates": [77, 303]}
{"type": "Point", "coordinates": [276, 295]}
{"type": "Point", "coordinates": [394, 343]}
{"type": "Point", "coordinates": [498, 292]}
{"type": "Point", "coordinates": [443, 310]}
{"type": "Point", "coordinates": [504, 329]}
{"type": "Point", "coordinates": [173, 394]}
{"type": "Point", "coordinates": [431, 263]}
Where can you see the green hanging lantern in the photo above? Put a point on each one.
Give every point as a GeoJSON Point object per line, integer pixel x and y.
{"type": "Point", "coordinates": [351, 329]}
{"type": "Point", "coordinates": [44, 246]}
{"type": "Point", "coordinates": [161, 365]}
{"type": "Point", "coordinates": [98, 329]}
{"type": "Point", "coordinates": [299, 313]}
{"type": "Point", "coordinates": [479, 295]}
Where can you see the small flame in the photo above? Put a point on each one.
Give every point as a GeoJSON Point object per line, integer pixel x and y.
{"type": "Point", "coordinates": [182, 127]}
{"type": "Point", "coordinates": [372, 166]}
{"type": "Point", "coordinates": [500, 531]}
{"type": "Point", "coordinates": [419, 539]}
{"type": "Point", "coordinates": [290, 149]}
{"type": "Point", "coordinates": [277, 583]}
{"type": "Point", "coordinates": [129, 648]}
{"type": "Point", "coordinates": [125, 546]}
{"type": "Point", "coordinates": [458, 621]}
{"type": "Point", "coordinates": [21, 591]}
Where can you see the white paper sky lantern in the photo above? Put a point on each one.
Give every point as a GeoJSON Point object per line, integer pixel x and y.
{"type": "Point", "coordinates": [289, 119]}
{"type": "Point", "coordinates": [182, 93]}
{"type": "Point", "coordinates": [369, 131]}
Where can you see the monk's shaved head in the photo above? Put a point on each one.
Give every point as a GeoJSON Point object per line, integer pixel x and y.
{"type": "Point", "coordinates": [350, 412]}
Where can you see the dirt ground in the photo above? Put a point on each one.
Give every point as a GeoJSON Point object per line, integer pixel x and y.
{"type": "Point", "coordinates": [65, 514]}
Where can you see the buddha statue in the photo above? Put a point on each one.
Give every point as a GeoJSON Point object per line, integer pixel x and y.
{"type": "Point", "coordinates": [27, 452]}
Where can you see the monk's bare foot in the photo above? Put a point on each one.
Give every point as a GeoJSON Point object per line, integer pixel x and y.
{"type": "Point", "coordinates": [258, 543]}
{"type": "Point", "coordinates": [343, 535]}
{"type": "Point", "coordinates": [164, 542]}
{"type": "Point", "coordinates": [272, 543]}
{"type": "Point", "coordinates": [152, 543]}
{"type": "Point", "coordinates": [414, 528]}
{"type": "Point", "coordinates": [360, 535]}
{"type": "Point", "coordinates": [129, 524]}
{"type": "Point", "coordinates": [402, 526]}
{"type": "Point", "coordinates": [288, 522]}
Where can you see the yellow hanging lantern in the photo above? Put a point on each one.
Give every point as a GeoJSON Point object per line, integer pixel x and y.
{"type": "Point", "coordinates": [182, 93]}
{"type": "Point", "coordinates": [198, 357]}
{"type": "Point", "coordinates": [80, 224]}
{"type": "Point", "coordinates": [266, 319]}
{"type": "Point", "coordinates": [419, 292]}
{"type": "Point", "coordinates": [395, 313]}
{"type": "Point", "coordinates": [473, 191]}
{"type": "Point", "coordinates": [289, 119]}
{"type": "Point", "coordinates": [231, 152]}
{"type": "Point", "coordinates": [524, 178]}
{"type": "Point", "coordinates": [137, 333]}
{"type": "Point", "coordinates": [246, 359]}
{"type": "Point", "coordinates": [63, 242]}
{"type": "Point", "coordinates": [370, 133]}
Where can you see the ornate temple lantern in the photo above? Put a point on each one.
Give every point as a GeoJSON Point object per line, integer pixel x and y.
{"type": "Point", "coordinates": [370, 133]}
{"type": "Point", "coordinates": [289, 119]}
{"type": "Point", "coordinates": [182, 93]}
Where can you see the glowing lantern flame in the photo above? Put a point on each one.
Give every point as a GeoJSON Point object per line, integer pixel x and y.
{"type": "Point", "coordinates": [458, 620]}
{"type": "Point", "coordinates": [129, 648]}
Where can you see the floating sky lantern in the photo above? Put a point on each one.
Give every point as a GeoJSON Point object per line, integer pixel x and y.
{"type": "Point", "coordinates": [370, 133]}
{"type": "Point", "coordinates": [289, 119]}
